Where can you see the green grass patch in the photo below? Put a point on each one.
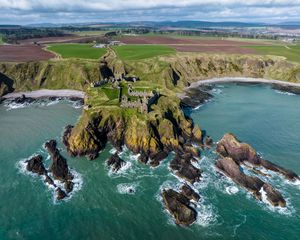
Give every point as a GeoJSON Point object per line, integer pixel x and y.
{"type": "Point", "coordinates": [111, 93]}
{"type": "Point", "coordinates": [1, 40]}
{"type": "Point", "coordinates": [291, 52]}
{"type": "Point", "coordinates": [138, 52]}
{"type": "Point", "coordinates": [85, 51]}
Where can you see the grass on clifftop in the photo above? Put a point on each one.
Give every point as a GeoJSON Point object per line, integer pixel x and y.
{"type": "Point", "coordinates": [291, 52]}
{"type": "Point", "coordinates": [138, 52]}
{"type": "Point", "coordinates": [1, 40]}
{"type": "Point", "coordinates": [85, 51]}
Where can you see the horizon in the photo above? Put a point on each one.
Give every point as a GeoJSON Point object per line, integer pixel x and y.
{"type": "Point", "coordinates": [27, 12]}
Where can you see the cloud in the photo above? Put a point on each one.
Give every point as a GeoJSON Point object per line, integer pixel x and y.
{"type": "Point", "coordinates": [26, 11]}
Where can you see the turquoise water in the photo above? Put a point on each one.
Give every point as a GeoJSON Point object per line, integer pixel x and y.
{"type": "Point", "coordinates": [103, 209]}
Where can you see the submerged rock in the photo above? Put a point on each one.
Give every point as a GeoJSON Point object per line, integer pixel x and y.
{"type": "Point", "coordinates": [35, 165]}
{"type": "Point", "coordinates": [286, 88]}
{"type": "Point", "coordinates": [230, 146]}
{"type": "Point", "coordinates": [23, 99]}
{"type": "Point", "coordinates": [59, 166]}
{"type": "Point", "coordinates": [49, 180]}
{"type": "Point", "coordinates": [195, 97]}
{"type": "Point", "coordinates": [178, 205]}
{"type": "Point", "coordinates": [69, 186]}
{"type": "Point", "coordinates": [115, 162]}
{"type": "Point", "coordinates": [183, 168]}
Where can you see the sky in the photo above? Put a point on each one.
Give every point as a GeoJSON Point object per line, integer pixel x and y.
{"type": "Point", "coordinates": [76, 11]}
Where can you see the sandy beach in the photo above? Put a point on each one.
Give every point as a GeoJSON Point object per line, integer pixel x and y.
{"type": "Point", "coordinates": [242, 80]}
{"type": "Point", "coordinates": [46, 93]}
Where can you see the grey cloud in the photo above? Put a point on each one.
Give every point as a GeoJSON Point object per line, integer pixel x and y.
{"type": "Point", "coordinates": [29, 11]}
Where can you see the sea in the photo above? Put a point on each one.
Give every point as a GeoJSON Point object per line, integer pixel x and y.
{"type": "Point", "coordinates": [128, 205]}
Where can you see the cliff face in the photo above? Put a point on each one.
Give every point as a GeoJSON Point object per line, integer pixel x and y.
{"type": "Point", "coordinates": [186, 69]}
{"type": "Point", "coordinates": [72, 74]}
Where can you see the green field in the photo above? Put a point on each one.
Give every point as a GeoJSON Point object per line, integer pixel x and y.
{"type": "Point", "coordinates": [1, 40]}
{"type": "Point", "coordinates": [291, 52]}
{"type": "Point", "coordinates": [138, 52]}
{"type": "Point", "coordinates": [85, 51]}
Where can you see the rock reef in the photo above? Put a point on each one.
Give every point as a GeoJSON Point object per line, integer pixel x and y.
{"type": "Point", "coordinates": [230, 146]}
{"type": "Point", "coordinates": [115, 162]}
{"type": "Point", "coordinates": [59, 169]}
{"type": "Point", "coordinates": [179, 207]}
{"type": "Point", "coordinates": [183, 167]}
{"type": "Point", "coordinates": [234, 154]}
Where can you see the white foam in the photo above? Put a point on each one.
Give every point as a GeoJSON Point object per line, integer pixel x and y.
{"type": "Point", "coordinates": [113, 151]}
{"type": "Point", "coordinates": [231, 190]}
{"type": "Point", "coordinates": [13, 105]}
{"type": "Point", "coordinates": [285, 93]}
{"type": "Point", "coordinates": [127, 188]}
{"type": "Point", "coordinates": [206, 214]}
{"type": "Point", "coordinates": [216, 91]}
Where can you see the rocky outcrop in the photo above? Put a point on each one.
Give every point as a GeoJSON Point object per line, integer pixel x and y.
{"type": "Point", "coordinates": [36, 165]}
{"type": "Point", "coordinates": [230, 146]}
{"type": "Point", "coordinates": [232, 170]}
{"type": "Point", "coordinates": [69, 186]}
{"type": "Point", "coordinates": [193, 97]}
{"type": "Point", "coordinates": [208, 142]}
{"type": "Point", "coordinates": [59, 169]}
{"type": "Point", "coordinates": [59, 166]}
{"type": "Point", "coordinates": [188, 192]}
{"type": "Point", "coordinates": [60, 194]}
{"type": "Point", "coordinates": [153, 135]}
{"type": "Point", "coordinates": [182, 166]}
{"type": "Point", "coordinates": [179, 207]}
{"type": "Point", "coordinates": [115, 162]}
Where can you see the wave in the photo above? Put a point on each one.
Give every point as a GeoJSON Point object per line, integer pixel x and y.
{"type": "Point", "coordinates": [127, 188]}
{"type": "Point", "coordinates": [285, 93]}
{"type": "Point", "coordinates": [12, 105]}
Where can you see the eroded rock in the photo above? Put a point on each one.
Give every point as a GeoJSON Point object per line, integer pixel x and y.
{"type": "Point", "coordinates": [115, 162]}
{"type": "Point", "coordinates": [60, 194]}
{"type": "Point", "coordinates": [179, 207]}
{"type": "Point", "coordinates": [188, 192]}
{"type": "Point", "coordinates": [183, 168]}
{"type": "Point", "coordinates": [232, 170]}
{"type": "Point", "coordinates": [59, 166]}
{"type": "Point", "coordinates": [35, 165]}
{"type": "Point", "coordinates": [230, 146]}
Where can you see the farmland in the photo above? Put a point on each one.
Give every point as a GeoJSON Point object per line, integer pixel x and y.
{"type": "Point", "coordinates": [196, 44]}
{"type": "Point", "coordinates": [138, 52]}
{"type": "Point", "coordinates": [291, 52]}
{"type": "Point", "coordinates": [23, 53]}
{"type": "Point", "coordinates": [84, 51]}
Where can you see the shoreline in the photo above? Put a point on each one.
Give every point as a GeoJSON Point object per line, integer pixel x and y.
{"type": "Point", "coordinates": [46, 93]}
{"type": "Point", "coordinates": [196, 94]}
{"type": "Point", "coordinates": [242, 80]}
